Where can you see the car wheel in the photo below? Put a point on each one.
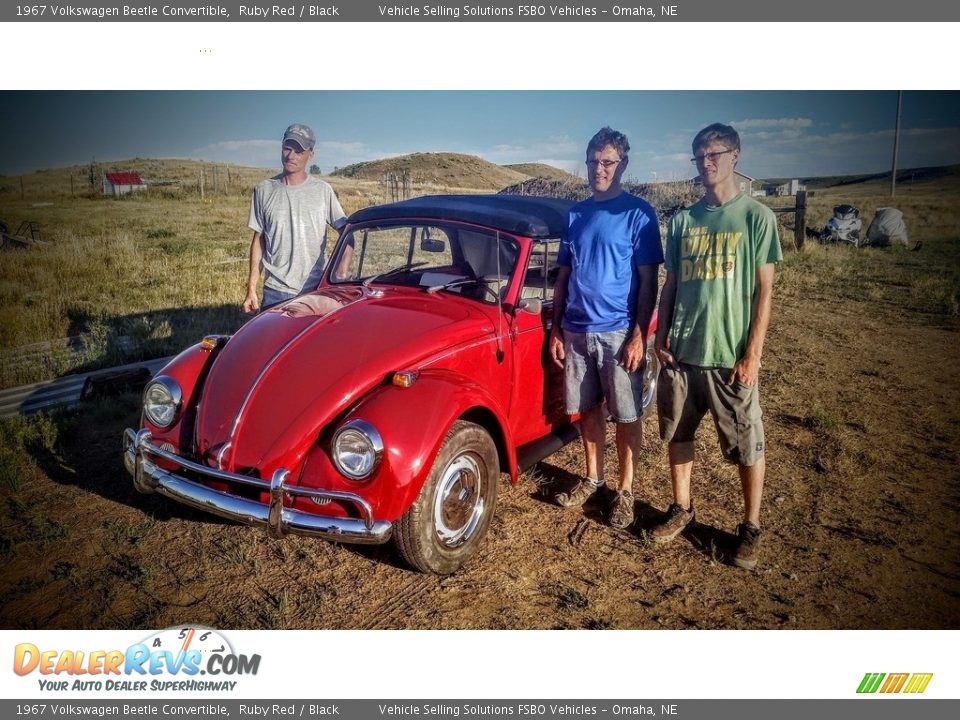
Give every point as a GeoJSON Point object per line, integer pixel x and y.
{"type": "Point", "coordinates": [447, 522]}
{"type": "Point", "coordinates": [651, 370]}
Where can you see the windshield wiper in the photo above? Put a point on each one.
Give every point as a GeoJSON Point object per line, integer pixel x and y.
{"type": "Point", "coordinates": [481, 281]}
{"type": "Point", "coordinates": [393, 271]}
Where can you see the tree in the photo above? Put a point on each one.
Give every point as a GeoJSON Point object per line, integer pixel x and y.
{"type": "Point", "coordinates": [314, 169]}
{"type": "Point", "coordinates": [94, 175]}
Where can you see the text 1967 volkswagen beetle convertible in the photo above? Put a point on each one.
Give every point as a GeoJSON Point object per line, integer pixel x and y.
{"type": "Point", "coordinates": [386, 403]}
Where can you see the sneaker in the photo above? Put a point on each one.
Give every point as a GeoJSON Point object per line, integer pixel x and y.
{"type": "Point", "coordinates": [748, 546]}
{"type": "Point", "coordinates": [621, 509]}
{"type": "Point", "coordinates": [676, 522]}
{"type": "Point", "coordinates": [577, 495]}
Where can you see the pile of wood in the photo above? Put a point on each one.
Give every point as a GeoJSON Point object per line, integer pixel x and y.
{"type": "Point", "coordinates": [667, 197]}
{"type": "Point", "coordinates": [27, 234]}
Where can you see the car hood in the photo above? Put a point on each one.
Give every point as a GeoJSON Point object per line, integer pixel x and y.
{"type": "Point", "coordinates": [292, 369]}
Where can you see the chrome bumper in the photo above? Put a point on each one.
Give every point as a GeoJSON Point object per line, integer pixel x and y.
{"type": "Point", "coordinates": [279, 520]}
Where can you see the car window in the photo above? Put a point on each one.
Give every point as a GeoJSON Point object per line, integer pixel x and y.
{"type": "Point", "coordinates": [541, 271]}
{"type": "Point", "coordinates": [470, 262]}
{"type": "Point", "coordinates": [374, 251]}
{"type": "Point", "coordinates": [432, 247]}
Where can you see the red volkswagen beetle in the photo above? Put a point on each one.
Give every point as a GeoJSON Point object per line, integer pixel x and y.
{"type": "Point", "coordinates": [388, 402]}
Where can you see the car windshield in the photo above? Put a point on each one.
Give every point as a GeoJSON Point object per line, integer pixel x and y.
{"type": "Point", "coordinates": [471, 262]}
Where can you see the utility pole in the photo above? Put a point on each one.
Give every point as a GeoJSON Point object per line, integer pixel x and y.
{"type": "Point", "coordinates": [896, 145]}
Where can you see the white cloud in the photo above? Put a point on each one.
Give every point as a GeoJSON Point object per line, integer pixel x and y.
{"type": "Point", "coordinates": [253, 153]}
{"type": "Point", "coordinates": [559, 150]}
{"type": "Point", "coordinates": [337, 147]}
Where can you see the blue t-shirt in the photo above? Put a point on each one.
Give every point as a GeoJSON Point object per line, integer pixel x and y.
{"type": "Point", "coordinates": [604, 243]}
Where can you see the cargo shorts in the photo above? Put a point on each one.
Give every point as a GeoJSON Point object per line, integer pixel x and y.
{"type": "Point", "coordinates": [684, 396]}
{"type": "Point", "coordinates": [593, 373]}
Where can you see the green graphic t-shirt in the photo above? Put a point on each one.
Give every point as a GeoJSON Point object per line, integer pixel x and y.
{"type": "Point", "coordinates": [715, 253]}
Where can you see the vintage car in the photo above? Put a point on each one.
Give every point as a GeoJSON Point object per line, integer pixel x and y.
{"type": "Point", "coordinates": [388, 402]}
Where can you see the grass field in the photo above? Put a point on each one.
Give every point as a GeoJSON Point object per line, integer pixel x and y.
{"type": "Point", "coordinates": [132, 277]}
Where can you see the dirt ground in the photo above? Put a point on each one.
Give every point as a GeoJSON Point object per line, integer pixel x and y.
{"type": "Point", "coordinates": [862, 410]}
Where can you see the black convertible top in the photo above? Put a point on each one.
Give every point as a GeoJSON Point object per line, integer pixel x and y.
{"type": "Point", "coordinates": [530, 215]}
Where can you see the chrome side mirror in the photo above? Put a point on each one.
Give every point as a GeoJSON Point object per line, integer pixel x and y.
{"type": "Point", "coordinates": [534, 306]}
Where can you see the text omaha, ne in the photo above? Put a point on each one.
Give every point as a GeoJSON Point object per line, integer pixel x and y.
{"type": "Point", "coordinates": [522, 11]}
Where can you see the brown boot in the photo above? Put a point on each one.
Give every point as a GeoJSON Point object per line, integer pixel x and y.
{"type": "Point", "coordinates": [621, 510]}
{"type": "Point", "coordinates": [577, 495]}
{"type": "Point", "coordinates": [748, 546]}
{"type": "Point", "coordinates": [675, 523]}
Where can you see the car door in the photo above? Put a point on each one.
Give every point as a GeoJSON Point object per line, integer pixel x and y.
{"type": "Point", "coordinates": [537, 404]}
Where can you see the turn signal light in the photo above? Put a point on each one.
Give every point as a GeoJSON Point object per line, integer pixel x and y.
{"type": "Point", "coordinates": [405, 378]}
{"type": "Point", "coordinates": [211, 342]}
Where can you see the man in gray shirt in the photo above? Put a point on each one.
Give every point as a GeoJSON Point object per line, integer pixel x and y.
{"type": "Point", "coordinates": [289, 215]}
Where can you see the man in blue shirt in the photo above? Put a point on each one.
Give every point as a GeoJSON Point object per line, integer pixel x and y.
{"type": "Point", "coordinates": [603, 300]}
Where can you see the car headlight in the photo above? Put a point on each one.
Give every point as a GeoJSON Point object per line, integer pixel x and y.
{"type": "Point", "coordinates": [357, 449]}
{"type": "Point", "coordinates": [161, 401]}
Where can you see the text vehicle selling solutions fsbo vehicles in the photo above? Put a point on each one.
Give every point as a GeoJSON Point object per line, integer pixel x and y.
{"type": "Point", "coordinates": [388, 402]}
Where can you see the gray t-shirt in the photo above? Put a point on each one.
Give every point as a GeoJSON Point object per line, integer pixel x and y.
{"type": "Point", "coordinates": [292, 220]}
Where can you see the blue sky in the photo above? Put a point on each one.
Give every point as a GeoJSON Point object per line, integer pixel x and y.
{"type": "Point", "coordinates": [784, 133]}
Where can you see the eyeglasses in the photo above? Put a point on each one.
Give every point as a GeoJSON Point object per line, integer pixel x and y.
{"type": "Point", "coordinates": [607, 164]}
{"type": "Point", "coordinates": [712, 157]}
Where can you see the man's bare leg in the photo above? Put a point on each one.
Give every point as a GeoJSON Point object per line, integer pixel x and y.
{"type": "Point", "coordinates": [681, 467]}
{"type": "Point", "coordinates": [593, 432]}
{"type": "Point", "coordinates": [629, 445]}
{"type": "Point", "coordinates": [751, 477]}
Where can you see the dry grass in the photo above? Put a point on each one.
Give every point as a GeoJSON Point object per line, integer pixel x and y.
{"type": "Point", "coordinates": [160, 269]}
{"type": "Point", "coordinates": [172, 177]}
{"type": "Point", "coordinates": [860, 511]}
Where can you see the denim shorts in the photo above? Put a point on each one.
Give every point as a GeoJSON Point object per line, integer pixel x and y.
{"type": "Point", "coordinates": [273, 297]}
{"type": "Point", "coordinates": [593, 373]}
{"type": "Point", "coordinates": [684, 396]}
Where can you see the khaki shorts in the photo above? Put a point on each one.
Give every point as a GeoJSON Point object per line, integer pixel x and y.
{"type": "Point", "coordinates": [684, 396]}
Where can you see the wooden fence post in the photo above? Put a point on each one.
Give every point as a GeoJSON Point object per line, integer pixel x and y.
{"type": "Point", "coordinates": [800, 224]}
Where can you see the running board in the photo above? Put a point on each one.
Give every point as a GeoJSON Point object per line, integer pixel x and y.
{"type": "Point", "coordinates": [530, 454]}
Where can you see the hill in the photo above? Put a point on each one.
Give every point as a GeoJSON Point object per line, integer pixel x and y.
{"type": "Point", "coordinates": [441, 169]}
{"type": "Point", "coordinates": [542, 170]}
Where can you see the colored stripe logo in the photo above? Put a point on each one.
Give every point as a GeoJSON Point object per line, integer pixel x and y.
{"type": "Point", "coordinates": [894, 682]}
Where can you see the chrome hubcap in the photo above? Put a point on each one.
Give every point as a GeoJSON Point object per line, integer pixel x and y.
{"type": "Point", "coordinates": [649, 379]}
{"type": "Point", "coordinates": [459, 502]}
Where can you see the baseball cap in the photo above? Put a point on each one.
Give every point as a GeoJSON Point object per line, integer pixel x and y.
{"type": "Point", "coordinates": [301, 135]}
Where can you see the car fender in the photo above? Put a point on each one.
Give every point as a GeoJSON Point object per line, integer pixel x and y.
{"type": "Point", "coordinates": [414, 421]}
{"type": "Point", "coordinates": [188, 370]}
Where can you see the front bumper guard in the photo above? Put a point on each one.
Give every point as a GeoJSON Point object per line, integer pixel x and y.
{"type": "Point", "coordinates": [148, 477]}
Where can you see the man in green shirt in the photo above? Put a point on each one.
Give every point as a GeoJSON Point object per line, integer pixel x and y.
{"type": "Point", "coordinates": [713, 316]}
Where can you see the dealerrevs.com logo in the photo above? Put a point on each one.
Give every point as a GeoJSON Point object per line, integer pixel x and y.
{"type": "Point", "coordinates": [894, 683]}
{"type": "Point", "coordinates": [171, 659]}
